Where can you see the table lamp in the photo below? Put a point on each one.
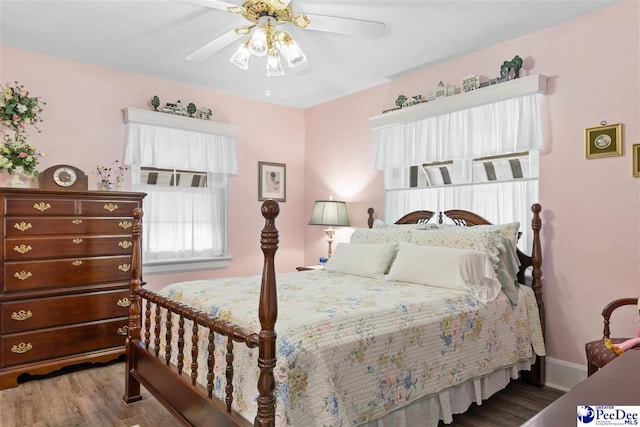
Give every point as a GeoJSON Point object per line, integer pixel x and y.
{"type": "Point", "coordinates": [331, 213]}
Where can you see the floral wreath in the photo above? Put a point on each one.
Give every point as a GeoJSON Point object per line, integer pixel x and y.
{"type": "Point", "coordinates": [18, 109]}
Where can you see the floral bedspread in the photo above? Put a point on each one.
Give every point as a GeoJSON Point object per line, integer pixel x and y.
{"type": "Point", "coordinates": [351, 349]}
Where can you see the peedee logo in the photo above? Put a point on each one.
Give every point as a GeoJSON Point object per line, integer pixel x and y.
{"type": "Point", "coordinates": [608, 415]}
{"type": "Point", "coordinates": [586, 414]}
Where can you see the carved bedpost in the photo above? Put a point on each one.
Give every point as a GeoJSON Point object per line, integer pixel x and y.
{"type": "Point", "coordinates": [268, 313]}
{"type": "Point", "coordinates": [538, 370]}
{"type": "Point", "coordinates": [536, 258]}
{"type": "Point", "coordinates": [370, 219]}
{"type": "Point", "coordinates": [132, 386]}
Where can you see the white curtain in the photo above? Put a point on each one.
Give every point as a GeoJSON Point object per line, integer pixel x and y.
{"type": "Point", "coordinates": [182, 222]}
{"type": "Point", "coordinates": [503, 127]}
{"type": "Point", "coordinates": [508, 126]}
{"type": "Point", "coordinates": [169, 148]}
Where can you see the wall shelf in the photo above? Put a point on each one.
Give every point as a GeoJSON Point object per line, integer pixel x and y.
{"type": "Point", "coordinates": [174, 121]}
{"type": "Point", "coordinates": [535, 83]}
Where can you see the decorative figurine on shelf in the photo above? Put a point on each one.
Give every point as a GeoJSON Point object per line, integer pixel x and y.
{"type": "Point", "coordinates": [181, 109]}
{"type": "Point", "coordinates": [516, 65]}
{"type": "Point", "coordinates": [469, 83]}
{"type": "Point", "coordinates": [191, 109]}
{"type": "Point", "coordinates": [169, 108]}
{"type": "Point", "coordinates": [409, 102]}
{"type": "Point", "coordinates": [155, 102]}
{"type": "Point", "coordinates": [504, 71]}
{"type": "Point", "coordinates": [204, 113]}
{"type": "Point", "coordinates": [441, 91]}
{"type": "Point", "coordinates": [400, 100]}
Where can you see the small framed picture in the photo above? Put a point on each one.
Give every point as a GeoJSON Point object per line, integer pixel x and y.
{"type": "Point", "coordinates": [603, 141]}
{"type": "Point", "coordinates": [272, 181]}
{"type": "Point", "coordinates": [636, 160]}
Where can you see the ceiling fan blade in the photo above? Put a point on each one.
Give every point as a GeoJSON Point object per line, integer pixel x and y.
{"type": "Point", "coordinates": [348, 26]}
{"type": "Point", "coordinates": [216, 4]}
{"type": "Point", "coordinates": [305, 68]}
{"type": "Point", "coordinates": [213, 46]}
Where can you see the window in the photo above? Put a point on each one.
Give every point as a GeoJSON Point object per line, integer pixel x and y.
{"type": "Point", "coordinates": [183, 168]}
{"type": "Point", "coordinates": [185, 219]}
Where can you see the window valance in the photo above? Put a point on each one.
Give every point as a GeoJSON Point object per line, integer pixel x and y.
{"type": "Point", "coordinates": [207, 146]}
{"type": "Point", "coordinates": [509, 123]}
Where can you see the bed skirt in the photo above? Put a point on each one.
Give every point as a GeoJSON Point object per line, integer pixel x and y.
{"type": "Point", "coordinates": [428, 411]}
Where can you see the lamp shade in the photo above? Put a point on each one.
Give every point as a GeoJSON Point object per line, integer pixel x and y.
{"type": "Point", "coordinates": [329, 212]}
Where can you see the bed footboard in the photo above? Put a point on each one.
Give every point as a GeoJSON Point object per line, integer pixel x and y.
{"type": "Point", "coordinates": [188, 401]}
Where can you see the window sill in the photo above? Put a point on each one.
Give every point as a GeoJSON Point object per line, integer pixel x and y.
{"type": "Point", "coordinates": [178, 266]}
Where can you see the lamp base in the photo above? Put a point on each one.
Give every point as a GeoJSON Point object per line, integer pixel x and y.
{"type": "Point", "coordinates": [330, 233]}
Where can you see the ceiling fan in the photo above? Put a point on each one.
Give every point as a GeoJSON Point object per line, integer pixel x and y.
{"type": "Point", "coordinates": [265, 38]}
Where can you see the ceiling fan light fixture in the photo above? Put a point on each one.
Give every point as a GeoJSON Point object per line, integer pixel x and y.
{"type": "Point", "coordinates": [241, 58]}
{"type": "Point", "coordinates": [301, 20]}
{"type": "Point", "coordinates": [243, 31]}
{"type": "Point", "coordinates": [295, 55]}
{"type": "Point", "coordinates": [274, 65]}
{"type": "Point", "coordinates": [258, 42]}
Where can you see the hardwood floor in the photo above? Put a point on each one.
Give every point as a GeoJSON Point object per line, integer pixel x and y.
{"type": "Point", "coordinates": [91, 396]}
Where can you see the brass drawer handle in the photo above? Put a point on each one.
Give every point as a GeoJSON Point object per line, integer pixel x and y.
{"type": "Point", "coordinates": [21, 315]}
{"type": "Point", "coordinates": [21, 348]}
{"type": "Point", "coordinates": [125, 224]}
{"type": "Point", "coordinates": [22, 226]}
{"type": "Point", "coordinates": [76, 222]}
{"type": "Point", "coordinates": [125, 244]}
{"type": "Point", "coordinates": [77, 240]}
{"type": "Point", "coordinates": [123, 331]}
{"type": "Point", "coordinates": [111, 207]}
{"type": "Point", "coordinates": [42, 206]}
{"type": "Point", "coordinates": [22, 249]}
{"type": "Point", "coordinates": [124, 302]}
{"type": "Point", "coordinates": [23, 275]}
{"type": "Point", "coordinates": [124, 267]}
{"type": "Point", "coordinates": [76, 263]}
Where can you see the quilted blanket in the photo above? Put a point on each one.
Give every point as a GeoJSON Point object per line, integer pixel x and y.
{"type": "Point", "coordinates": [351, 349]}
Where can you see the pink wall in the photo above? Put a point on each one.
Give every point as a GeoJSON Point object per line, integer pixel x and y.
{"type": "Point", "coordinates": [84, 127]}
{"type": "Point", "coordinates": [591, 208]}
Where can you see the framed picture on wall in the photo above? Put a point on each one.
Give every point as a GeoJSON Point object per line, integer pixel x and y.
{"type": "Point", "coordinates": [636, 160]}
{"type": "Point", "coordinates": [272, 181]}
{"type": "Point", "coordinates": [603, 141]}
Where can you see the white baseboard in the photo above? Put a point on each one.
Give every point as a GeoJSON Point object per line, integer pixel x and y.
{"type": "Point", "coordinates": [563, 375]}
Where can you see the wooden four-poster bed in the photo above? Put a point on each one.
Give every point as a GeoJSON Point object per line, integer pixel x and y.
{"type": "Point", "coordinates": [157, 359]}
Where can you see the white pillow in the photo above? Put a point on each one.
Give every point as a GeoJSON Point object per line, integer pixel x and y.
{"type": "Point", "coordinates": [450, 268]}
{"type": "Point", "coordinates": [366, 259]}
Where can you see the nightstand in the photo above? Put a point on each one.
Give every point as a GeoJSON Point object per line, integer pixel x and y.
{"type": "Point", "coordinates": [310, 267]}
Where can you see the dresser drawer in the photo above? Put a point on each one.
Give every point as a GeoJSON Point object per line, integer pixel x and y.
{"type": "Point", "coordinates": [33, 226]}
{"type": "Point", "coordinates": [25, 276]}
{"type": "Point", "coordinates": [25, 248]}
{"type": "Point", "coordinates": [108, 208]}
{"type": "Point", "coordinates": [27, 315]}
{"type": "Point", "coordinates": [47, 344]}
{"type": "Point", "coordinates": [38, 206]}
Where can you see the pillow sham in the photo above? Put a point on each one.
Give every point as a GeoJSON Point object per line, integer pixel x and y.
{"type": "Point", "coordinates": [381, 235]}
{"type": "Point", "coordinates": [451, 268]}
{"type": "Point", "coordinates": [500, 249]}
{"type": "Point", "coordinates": [510, 230]}
{"type": "Point", "coordinates": [368, 260]}
{"type": "Point", "coordinates": [508, 268]}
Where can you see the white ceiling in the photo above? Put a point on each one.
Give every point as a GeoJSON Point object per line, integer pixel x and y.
{"type": "Point", "coordinates": [153, 37]}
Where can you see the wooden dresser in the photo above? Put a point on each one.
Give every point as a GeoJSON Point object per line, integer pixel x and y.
{"type": "Point", "coordinates": [64, 292]}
